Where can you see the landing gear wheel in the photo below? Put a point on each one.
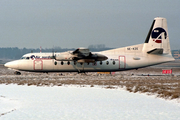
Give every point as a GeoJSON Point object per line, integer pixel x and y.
{"type": "Point", "coordinates": [17, 73]}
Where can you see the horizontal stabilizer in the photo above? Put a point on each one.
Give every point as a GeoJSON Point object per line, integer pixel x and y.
{"type": "Point", "coordinates": [156, 51]}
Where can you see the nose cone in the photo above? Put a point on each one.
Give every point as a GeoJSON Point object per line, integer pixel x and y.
{"type": "Point", "coordinates": [13, 64]}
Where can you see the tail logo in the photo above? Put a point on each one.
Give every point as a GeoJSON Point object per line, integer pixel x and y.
{"type": "Point", "coordinates": [157, 34]}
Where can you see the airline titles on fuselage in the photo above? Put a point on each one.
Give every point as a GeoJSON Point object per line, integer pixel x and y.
{"type": "Point", "coordinates": [133, 48]}
{"type": "Point", "coordinates": [37, 57]}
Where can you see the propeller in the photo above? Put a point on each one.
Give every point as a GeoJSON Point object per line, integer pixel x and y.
{"type": "Point", "coordinates": [54, 57]}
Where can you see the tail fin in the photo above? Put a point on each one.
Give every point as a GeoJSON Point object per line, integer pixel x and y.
{"type": "Point", "coordinates": [157, 40]}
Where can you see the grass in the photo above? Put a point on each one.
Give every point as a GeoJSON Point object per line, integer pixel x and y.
{"type": "Point", "coordinates": [167, 87]}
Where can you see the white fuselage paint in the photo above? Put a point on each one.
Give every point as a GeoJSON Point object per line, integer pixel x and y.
{"type": "Point", "coordinates": [119, 59]}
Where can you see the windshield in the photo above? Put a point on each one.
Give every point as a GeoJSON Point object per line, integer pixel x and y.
{"type": "Point", "coordinates": [27, 58]}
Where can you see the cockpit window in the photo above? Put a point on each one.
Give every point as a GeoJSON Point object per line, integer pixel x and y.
{"type": "Point", "coordinates": [27, 58]}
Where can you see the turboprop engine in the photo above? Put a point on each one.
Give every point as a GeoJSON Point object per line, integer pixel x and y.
{"type": "Point", "coordinates": [66, 56]}
{"type": "Point", "coordinates": [80, 55]}
{"type": "Point", "coordinates": [91, 58]}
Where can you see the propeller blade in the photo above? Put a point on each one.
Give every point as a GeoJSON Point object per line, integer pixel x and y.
{"type": "Point", "coordinates": [53, 56]}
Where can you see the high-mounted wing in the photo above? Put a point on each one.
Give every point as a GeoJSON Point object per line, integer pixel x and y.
{"type": "Point", "coordinates": [80, 55]}
{"type": "Point", "coordinates": [84, 55]}
{"type": "Point", "coordinates": [82, 52]}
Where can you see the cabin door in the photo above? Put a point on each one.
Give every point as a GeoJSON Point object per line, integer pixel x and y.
{"type": "Point", "coordinates": [38, 64]}
{"type": "Point", "coordinates": [122, 62]}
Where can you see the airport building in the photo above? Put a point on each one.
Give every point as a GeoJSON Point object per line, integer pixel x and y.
{"type": "Point", "coordinates": [176, 54]}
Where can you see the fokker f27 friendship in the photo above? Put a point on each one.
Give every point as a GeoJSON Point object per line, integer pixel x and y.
{"type": "Point", "coordinates": [155, 50]}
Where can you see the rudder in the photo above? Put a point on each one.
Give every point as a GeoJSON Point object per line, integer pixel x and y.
{"type": "Point", "coordinates": [157, 40]}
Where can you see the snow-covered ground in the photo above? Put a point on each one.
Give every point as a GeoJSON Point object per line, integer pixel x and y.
{"type": "Point", "coordinates": [75, 103]}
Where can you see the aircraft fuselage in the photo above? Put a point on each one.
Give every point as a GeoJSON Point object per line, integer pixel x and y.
{"type": "Point", "coordinates": [44, 63]}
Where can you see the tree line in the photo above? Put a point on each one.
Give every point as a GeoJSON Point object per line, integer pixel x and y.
{"type": "Point", "coordinates": [17, 53]}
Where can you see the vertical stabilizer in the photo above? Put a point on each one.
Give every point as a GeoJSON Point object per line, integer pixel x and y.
{"type": "Point", "coordinates": [157, 40]}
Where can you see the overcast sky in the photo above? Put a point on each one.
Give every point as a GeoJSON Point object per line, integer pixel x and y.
{"type": "Point", "coordinates": [80, 23]}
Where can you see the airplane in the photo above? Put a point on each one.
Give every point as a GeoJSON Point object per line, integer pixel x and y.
{"type": "Point", "coordinates": [155, 50]}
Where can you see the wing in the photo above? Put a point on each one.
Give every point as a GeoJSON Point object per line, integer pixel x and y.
{"type": "Point", "coordinates": [81, 52]}
{"type": "Point", "coordinates": [84, 55]}
{"type": "Point", "coordinates": [80, 55]}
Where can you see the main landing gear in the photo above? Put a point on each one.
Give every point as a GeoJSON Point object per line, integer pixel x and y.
{"type": "Point", "coordinates": [17, 73]}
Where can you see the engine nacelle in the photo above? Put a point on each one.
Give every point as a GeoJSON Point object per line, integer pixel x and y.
{"type": "Point", "coordinates": [64, 57]}
{"type": "Point", "coordinates": [80, 58]}
{"type": "Point", "coordinates": [99, 57]}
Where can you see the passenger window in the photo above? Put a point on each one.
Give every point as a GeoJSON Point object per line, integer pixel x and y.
{"type": "Point", "coordinates": [107, 62]}
{"type": "Point", "coordinates": [114, 62]}
{"type": "Point", "coordinates": [62, 62]}
{"type": "Point", "coordinates": [68, 62]}
{"type": "Point", "coordinates": [27, 58]}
